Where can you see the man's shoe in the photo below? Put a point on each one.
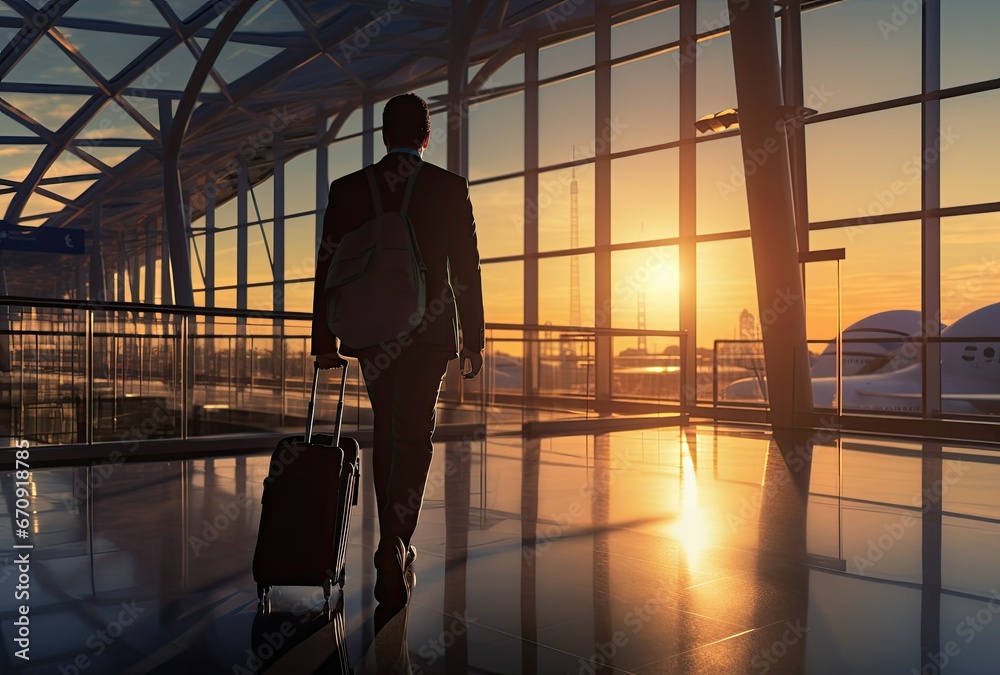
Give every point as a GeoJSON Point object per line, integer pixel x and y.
{"type": "Point", "coordinates": [391, 588]}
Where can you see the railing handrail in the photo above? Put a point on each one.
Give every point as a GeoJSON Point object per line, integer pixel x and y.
{"type": "Point", "coordinates": [49, 303]}
{"type": "Point", "coordinates": [623, 332]}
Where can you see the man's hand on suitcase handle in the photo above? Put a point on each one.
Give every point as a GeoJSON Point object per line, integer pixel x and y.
{"type": "Point", "coordinates": [330, 360]}
{"type": "Point", "coordinates": [475, 358]}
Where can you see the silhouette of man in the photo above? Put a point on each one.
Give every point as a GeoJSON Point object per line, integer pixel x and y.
{"type": "Point", "coordinates": [403, 376]}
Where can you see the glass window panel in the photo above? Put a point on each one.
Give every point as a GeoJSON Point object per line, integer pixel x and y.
{"type": "Point", "coordinates": [712, 14]}
{"type": "Point", "coordinates": [509, 73]}
{"type": "Point", "coordinates": [344, 157]}
{"type": "Point", "coordinates": [645, 32]}
{"type": "Point", "coordinates": [968, 41]}
{"type": "Point", "coordinates": [566, 121]}
{"type": "Point", "coordinates": [865, 165]}
{"type": "Point", "coordinates": [16, 161]}
{"type": "Point", "coordinates": [726, 289]}
{"type": "Point", "coordinates": [872, 282]}
{"type": "Point", "coordinates": [259, 253]}
{"type": "Point", "coordinates": [226, 299]}
{"type": "Point", "coordinates": [499, 211]}
{"type": "Point", "coordinates": [970, 268]}
{"type": "Point", "coordinates": [555, 208]}
{"type": "Point", "coordinates": [70, 189]}
{"type": "Point", "coordinates": [555, 290]}
{"type": "Point", "coordinates": [715, 75]}
{"type": "Point", "coordinates": [225, 261]}
{"type": "Point", "coordinates": [111, 156]}
{"type": "Point", "coordinates": [261, 298]}
{"type": "Point", "coordinates": [269, 17]}
{"type": "Point", "coordinates": [496, 137]}
{"type": "Point", "coordinates": [300, 248]}
{"type": "Point", "coordinates": [299, 297]}
{"type": "Point", "coordinates": [171, 72]}
{"type": "Point", "coordinates": [861, 52]}
{"type": "Point", "coordinates": [47, 63]}
{"type": "Point", "coordinates": [120, 11]}
{"type": "Point", "coordinates": [653, 276]}
{"type": "Point", "coordinates": [721, 189]}
{"type": "Point", "coordinates": [112, 121]}
{"type": "Point", "coordinates": [969, 146]}
{"type": "Point", "coordinates": [38, 204]}
{"type": "Point", "coordinates": [566, 56]}
{"type": "Point", "coordinates": [225, 214]}
{"type": "Point", "coordinates": [237, 59]}
{"type": "Point", "coordinates": [352, 125]}
{"type": "Point", "coordinates": [437, 148]}
{"type": "Point", "coordinates": [300, 183]}
{"type": "Point", "coordinates": [109, 53]}
{"type": "Point", "coordinates": [644, 102]}
{"type": "Point", "coordinates": [644, 198]}
{"type": "Point", "coordinates": [148, 107]}
{"type": "Point", "coordinates": [503, 292]}
{"type": "Point", "coordinates": [264, 195]}
{"type": "Point", "coordinates": [49, 110]}
{"type": "Point", "coordinates": [185, 8]}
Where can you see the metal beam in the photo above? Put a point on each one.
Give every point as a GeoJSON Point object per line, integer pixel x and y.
{"type": "Point", "coordinates": [687, 209]}
{"type": "Point", "coordinates": [930, 201]}
{"type": "Point", "coordinates": [772, 220]}
{"type": "Point", "coordinates": [172, 190]}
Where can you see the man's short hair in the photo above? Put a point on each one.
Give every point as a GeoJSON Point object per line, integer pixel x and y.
{"type": "Point", "coordinates": [406, 121]}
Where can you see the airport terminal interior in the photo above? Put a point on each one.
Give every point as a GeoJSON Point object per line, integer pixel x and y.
{"type": "Point", "coordinates": [740, 407]}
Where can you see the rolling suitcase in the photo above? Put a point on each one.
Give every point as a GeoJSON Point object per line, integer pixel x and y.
{"type": "Point", "coordinates": [311, 487]}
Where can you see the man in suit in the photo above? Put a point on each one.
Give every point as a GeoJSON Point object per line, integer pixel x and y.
{"type": "Point", "coordinates": [403, 376]}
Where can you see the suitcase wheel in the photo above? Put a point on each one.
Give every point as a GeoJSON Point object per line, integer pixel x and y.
{"type": "Point", "coordinates": [262, 591]}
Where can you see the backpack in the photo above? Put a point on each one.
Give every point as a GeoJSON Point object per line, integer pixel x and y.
{"type": "Point", "coordinates": [375, 289]}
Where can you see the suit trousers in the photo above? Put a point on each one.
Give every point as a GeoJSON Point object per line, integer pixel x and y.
{"type": "Point", "coordinates": [403, 391]}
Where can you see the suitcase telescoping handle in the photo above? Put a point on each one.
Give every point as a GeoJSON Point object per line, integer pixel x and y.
{"type": "Point", "coordinates": [312, 405]}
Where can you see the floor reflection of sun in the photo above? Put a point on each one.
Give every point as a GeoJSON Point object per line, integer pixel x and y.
{"type": "Point", "coordinates": [690, 528]}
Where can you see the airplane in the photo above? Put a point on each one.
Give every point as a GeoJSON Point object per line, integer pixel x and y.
{"type": "Point", "coordinates": [887, 375]}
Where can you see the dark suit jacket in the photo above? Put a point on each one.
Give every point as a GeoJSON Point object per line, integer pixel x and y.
{"type": "Point", "coordinates": [441, 214]}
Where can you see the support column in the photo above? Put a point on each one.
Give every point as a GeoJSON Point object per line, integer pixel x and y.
{"type": "Point", "coordinates": [772, 219]}
{"type": "Point", "coordinates": [457, 118]}
{"type": "Point", "coordinates": [930, 200]}
{"type": "Point", "coordinates": [166, 297]}
{"type": "Point", "coordinates": [149, 294]}
{"type": "Point", "coordinates": [98, 290]}
{"type": "Point", "coordinates": [322, 172]}
{"type": "Point", "coordinates": [368, 131]}
{"type": "Point", "coordinates": [791, 67]}
{"type": "Point", "coordinates": [176, 252]}
{"type": "Point", "coordinates": [278, 228]}
{"type": "Point", "coordinates": [5, 354]}
{"type": "Point", "coordinates": [242, 238]}
{"type": "Point", "coordinates": [603, 355]}
{"type": "Point", "coordinates": [688, 197]}
{"type": "Point", "coordinates": [532, 350]}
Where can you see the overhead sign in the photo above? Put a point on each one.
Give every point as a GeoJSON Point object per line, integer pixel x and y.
{"type": "Point", "coordinates": [41, 239]}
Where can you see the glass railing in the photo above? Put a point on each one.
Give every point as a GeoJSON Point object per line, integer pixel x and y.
{"type": "Point", "coordinates": [872, 376]}
{"type": "Point", "coordinates": [88, 372]}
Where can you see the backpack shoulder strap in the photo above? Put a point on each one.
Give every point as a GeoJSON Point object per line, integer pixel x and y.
{"type": "Point", "coordinates": [409, 188]}
{"type": "Point", "coordinates": [376, 197]}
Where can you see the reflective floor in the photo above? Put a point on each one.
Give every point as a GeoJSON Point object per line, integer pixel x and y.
{"type": "Point", "coordinates": [666, 551]}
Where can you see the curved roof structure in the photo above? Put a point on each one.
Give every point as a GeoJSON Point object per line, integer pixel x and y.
{"type": "Point", "coordinates": [88, 89]}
